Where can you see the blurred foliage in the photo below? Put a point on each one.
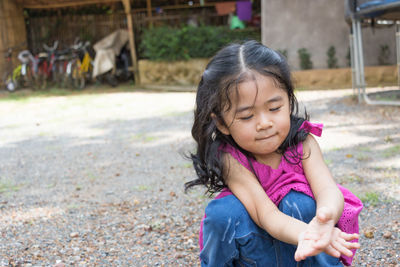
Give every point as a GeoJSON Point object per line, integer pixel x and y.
{"type": "Point", "coordinates": [331, 58]}
{"type": "Point", "coordinates": [167, 43]}
{"type": "Point", "coordinates": [305, 59]}
{"type": "Point", "coordinates": [384, 55]}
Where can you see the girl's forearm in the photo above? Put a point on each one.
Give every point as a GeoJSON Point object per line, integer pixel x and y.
{"type": "Point", "coordinates": [282, 226]}
{"type": "Point", "coordinates": [333, 199]}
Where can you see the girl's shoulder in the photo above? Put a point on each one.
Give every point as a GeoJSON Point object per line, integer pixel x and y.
{"type": "Point", "coordinates": [236, 154]}
{"type": "Point", "coordinates": [304, 148]}
{"type": "Point", "coordinates": [314, 128]}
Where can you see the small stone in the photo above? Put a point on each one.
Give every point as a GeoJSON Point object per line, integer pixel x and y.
{"type": "Point", "coordinates": [59, 264]}
{"type": "Point", "coordinates": [73, 234]}
{"type": "Point", "coordinates": [369, 233]}
{"type": "Point", "coordinates": [387, 234]}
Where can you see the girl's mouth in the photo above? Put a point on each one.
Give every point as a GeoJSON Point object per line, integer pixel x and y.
{"type": "Point", "coordinates": [265, 138]}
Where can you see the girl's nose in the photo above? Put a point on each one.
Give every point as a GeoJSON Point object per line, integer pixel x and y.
{"type": "Point", "coordinates": [263, 123]}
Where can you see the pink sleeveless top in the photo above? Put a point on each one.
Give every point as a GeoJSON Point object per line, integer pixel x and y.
{"type": "Point", "coordinates": [278, 182]}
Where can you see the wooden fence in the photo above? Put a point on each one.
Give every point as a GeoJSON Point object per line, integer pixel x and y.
{"type": "Point", "coordinates": [67, 28]}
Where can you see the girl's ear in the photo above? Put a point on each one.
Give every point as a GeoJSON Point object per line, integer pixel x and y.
{"type": "Point", "coordinates": [221, 127]}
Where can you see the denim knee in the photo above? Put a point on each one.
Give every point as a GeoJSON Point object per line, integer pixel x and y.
{"type": "Point", "coordinates": [223, 211]}
{"type": "Point", "coordinates": [219, 230]}
{"type": "Point", "coordinates": [298, 205]}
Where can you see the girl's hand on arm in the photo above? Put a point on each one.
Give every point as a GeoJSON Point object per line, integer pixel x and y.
{"type": "Point", "coordinates": [322, 236]}
{"type": "Point", "coordinates": [245, 186]}
{"type": "Point", "coordinates": [321, 233]}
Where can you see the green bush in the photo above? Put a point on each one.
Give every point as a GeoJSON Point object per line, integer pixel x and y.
{"type": "Point", "coordinates": [305, 59]}
{"type": "Point", "coordinates": [166, 43]}
{"type": "Point", "coordinates": [348, 57]}
{"type": "Point", "coordinates": [331, 58]}
{"type": "Point", "coordinates": [384, 55]}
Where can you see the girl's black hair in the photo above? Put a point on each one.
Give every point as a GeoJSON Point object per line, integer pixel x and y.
{"type": "Point", "coordinates": [230, 66]}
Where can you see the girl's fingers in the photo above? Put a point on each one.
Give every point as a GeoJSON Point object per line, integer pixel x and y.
{"type": "Point", "coordinates": [350, 245]}
{"type": "Point", "coordinates": [297, 256]}
{"type": "Point", "coordinates": [353, 245]}
{"type": "Point", "coordinates": [332, 252]}
{"type": "Point", "coordinates": [346, 238]}
{"type": "Point", "coordinates": [349, 237]}
{"type": "Point", "coordinates": [321, 243]}
{"type": "Point", "coordinates": [342, 249]}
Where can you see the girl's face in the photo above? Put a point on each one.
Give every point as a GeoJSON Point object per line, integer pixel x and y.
{"type": "Point", "coordinates": [259, 118]}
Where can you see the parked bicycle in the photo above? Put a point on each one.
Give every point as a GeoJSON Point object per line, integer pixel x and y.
{"type": "Point", "coordinates": [45, 66]}
{"type": "Point", "coordinates": [28, 68]}
{"type": "Point", "coordinates": [21, 76]}
{"type": "Point", "coordinates": [7, 79]}
{"type": "Point", "coordinates": [79, 68]}
{"type": "Point", "coordinates": [62, 57]}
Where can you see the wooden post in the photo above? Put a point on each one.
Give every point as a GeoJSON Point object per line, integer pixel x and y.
{"type": "Point", "coordinates": [149, 14]}
{"type": "Point", "coordinates": [127, 6]}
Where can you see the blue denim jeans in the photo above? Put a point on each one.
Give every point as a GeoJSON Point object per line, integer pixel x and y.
{"type": "Point", "coordinates": [231, 238]}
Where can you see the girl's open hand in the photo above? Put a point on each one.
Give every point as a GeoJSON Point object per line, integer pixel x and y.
{"type": "Point", "coordinates": [322, 236]}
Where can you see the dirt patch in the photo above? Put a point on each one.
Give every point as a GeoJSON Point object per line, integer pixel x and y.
{"type": "Point", "coordinates": [97, 179]}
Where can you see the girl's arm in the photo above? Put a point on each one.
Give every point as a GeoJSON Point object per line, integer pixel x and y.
{"type": "Point", "coordinates": [245, 186]}
{"type": "Point", "coordinates": [326, 193]}
{"type": "Point", "coordinates": [330, 203]}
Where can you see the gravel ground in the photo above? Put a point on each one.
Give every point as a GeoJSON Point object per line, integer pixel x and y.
{"type": "Point", "coordinates": [97, 179]}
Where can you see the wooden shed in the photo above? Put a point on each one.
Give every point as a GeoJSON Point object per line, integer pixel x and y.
{"type": "Point", "coordinates": [12, 29]}
{"type": "Point", "coordinates": [19, 30]}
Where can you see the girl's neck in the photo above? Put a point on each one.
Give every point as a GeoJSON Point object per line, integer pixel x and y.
{"type": "Point", "coordinates": [272, 159]}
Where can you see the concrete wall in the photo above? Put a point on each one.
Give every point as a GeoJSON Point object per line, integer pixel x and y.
{"type": "Point", "coordinates": [316, 25]}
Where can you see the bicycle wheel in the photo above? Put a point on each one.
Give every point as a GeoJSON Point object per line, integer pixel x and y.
{"type": "Point", "coordinates": [77, 76]}
{"type": "Point", "coordinates": [41, 79]}
{"type": "Point", "coordinates": [9, 83]}
{"type": "Point", "coordinates": [58, 74]}
{"type": "Point", "coordinates": [27, 76]}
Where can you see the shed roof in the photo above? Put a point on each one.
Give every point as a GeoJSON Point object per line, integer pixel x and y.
{"type": "Point", "coordinates": [44, 4]}
{"type": "Point", "coordinates": [49, 4]}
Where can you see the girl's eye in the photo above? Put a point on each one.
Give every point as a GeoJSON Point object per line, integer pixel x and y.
{"type": "Point", "coordinates": [275, 109]}
{"type": "Point", "coordinates": [247, 117]}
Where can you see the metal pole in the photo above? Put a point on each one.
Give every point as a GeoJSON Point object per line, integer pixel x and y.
{"type": "Point", "coordinates": [362, 77]}
{"type": "Point", "coordinates": [361, 57]}
{"type": "Point", "coordinates": [356, 60]}
{"type": "Point", "coordinates": [398, 52]}
{"type": "Point", "coordinates": [352, 64]}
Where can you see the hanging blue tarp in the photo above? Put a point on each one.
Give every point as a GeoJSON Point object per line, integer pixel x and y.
{"type": "Point", "coordinates": [379, 9]}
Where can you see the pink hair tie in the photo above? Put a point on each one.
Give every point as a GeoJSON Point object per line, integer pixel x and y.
{"type": "Point", "coordinates": [314, 128]}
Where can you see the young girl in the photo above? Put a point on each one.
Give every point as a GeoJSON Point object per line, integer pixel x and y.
{"type": "Point", "coordinates": [278, 205]}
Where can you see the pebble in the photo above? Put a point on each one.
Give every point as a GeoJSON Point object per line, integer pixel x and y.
{"type": "Point", "coordinates": [387, 234]}
{"type": "Point", "coordinates": [369, 233]}
{"type": "Point", "coordinates": [73, 234]}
